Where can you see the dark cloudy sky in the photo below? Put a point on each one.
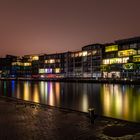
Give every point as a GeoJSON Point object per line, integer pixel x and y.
{"type": "Point", "coordinates": [50, 26]}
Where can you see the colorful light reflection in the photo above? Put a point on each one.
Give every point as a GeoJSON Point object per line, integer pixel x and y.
{"type": "Point", "coordinates": [120, 101]}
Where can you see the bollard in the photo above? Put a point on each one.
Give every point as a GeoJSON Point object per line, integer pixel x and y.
{"type": "Point", "coordinates": [91, 114]}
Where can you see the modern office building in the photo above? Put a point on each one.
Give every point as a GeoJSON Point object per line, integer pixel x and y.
{"type": "Point", "coordinates": [122, 59]}
{"type": "Point", "coordinates": [51, 65]}
{"type": "Point", "coordinates": [92, 59]}
{"type": "Point", "coordinates": [6, 65]}
{"type": "Point", "coordinates": [73, 64]}
{"type": "Point", "coordinates": [117, 60]}
{"type": "Point", "coordinates": [31, 64]}
{"type": "Point", "coordinates": [24, 66]}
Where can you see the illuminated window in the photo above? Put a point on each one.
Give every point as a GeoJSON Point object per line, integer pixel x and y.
{"type": "Point", "coordinates": [127, 52]}
{"type": "Point", "coordinates": [89, 53]}
{"type": "Point", "coordinates": [138, 51]}
{"type": "Point", "coordinates": [129, 66]}
{"type": "Point", "coordinates": [46, 61]}
{"type": "Point", "coordinates": [106, 61]}
{"type": "Point", "coordinates": [104, 67]}
{"type": "Point", "coordinates": [77, 54]}
{"type": "Point", "coordinates": [27, 64]}
{"type": "Point", "coordinates": [111, 48]}
{"type": "Point", "coordinates": [50, 61]}
{"type": "Point", "coordinates": [136, 58]}
{"type": "Point", "coordinates": [80, 53]}
{"type": "Point", "coordinates": [49, 70]}
{"type": "Point", "coordinates": [57, 70]}
{"type": "Point", "coordinates": [35, 58]}
{"type": "Point", "coordinates": [41, 70]}
{"type": "Point", "coordinates": [115, 60]}
{"type": "Point", "coordinates": [16, 64]}
{"type": "Point", "coordinates": [94, 52]}
{"type": "Point", "coordinates": [42, 76]}
{"type": "Point", "coordinates": [85, 53]}
{"type": "Point", "coordinates": [125, 59]}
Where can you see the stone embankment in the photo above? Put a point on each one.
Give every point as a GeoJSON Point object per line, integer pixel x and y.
{"type": "Point", "coordinates": [21, 120]}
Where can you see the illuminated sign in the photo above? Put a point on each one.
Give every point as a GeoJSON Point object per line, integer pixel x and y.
{"type": "Point", "coordinates": [111, 48]}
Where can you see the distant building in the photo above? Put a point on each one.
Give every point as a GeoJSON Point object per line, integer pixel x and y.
{"type": "Point", "coordinates": [6, 65]}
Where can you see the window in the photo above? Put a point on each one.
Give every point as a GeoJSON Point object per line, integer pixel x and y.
{"type": "Point", "coordinates": [52, 61]}
{"type": "Point", "coordinates": [94, 52]}
{"type": "Point", "coordinates": [41, 71]}
{"type": "Point", "coordinates": [128, 66]}
{"type": "Point", "coordinates": [127, 52]}
{"type": "Point", "coordinates": [27, 64]}
{"type": "Point", "coordinates": [57, 70]}
{"type": "Point", "coordinates": [133, 46]}
{"type": "Point", "coordinates": [136, 58]}
{"type": "Point", "coordinates": [115, 60]}
{"type": "Point", "coordinates": [111, 48]}
{"type": "Point", "coordinates": [85, 53]}
{"type": "Point", "coordinates": [48, 70]}
{"type": "Point", "coordinates": [35, 58]}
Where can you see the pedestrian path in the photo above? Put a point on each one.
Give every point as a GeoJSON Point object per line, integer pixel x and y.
{"type": "Point", "coordinates": [28, 121]}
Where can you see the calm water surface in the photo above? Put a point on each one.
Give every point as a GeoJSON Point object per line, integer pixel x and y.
{"type": "Point", "coordinates": [117, 101]}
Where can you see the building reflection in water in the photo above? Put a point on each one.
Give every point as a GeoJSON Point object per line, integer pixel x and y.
{"type": "Point", "coordinates": [5, 88]}
{"type": "Point", "coordinates": [36, 94]}
{"type": "Point", "coordinates": [120, 101]}
{"type": "Point", "coordinates": [84, 101]}
{"type": "Point", "coordinates": [13, 87]}
{"type": "Point", "coordinates": [46, 93]}
{"type": "Point", "coordinates": [57, 93]}
{"type": "Point", "coordinates": [18, 94]}
{"type": "Point", "coordinates": [26, 91]}
{"type": "Point", "coordinates": [42, 91]}
{"type": "Point", "coordinates": [50, 93]}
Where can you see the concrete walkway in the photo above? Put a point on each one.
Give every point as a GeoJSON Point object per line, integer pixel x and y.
{"type": "Point", "coordinates": [26, 121]}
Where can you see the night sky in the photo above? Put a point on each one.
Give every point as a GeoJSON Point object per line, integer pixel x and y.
{"type": "Point", "coordinates": [52, 26]}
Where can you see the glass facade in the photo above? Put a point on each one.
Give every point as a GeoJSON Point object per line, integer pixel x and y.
{"type": "Point", "coordinates": [120, 59]}
{"type": "Point", "coordinates": [127, 52]}
{"type": "Point", "coordinates": [111, 48]}
{"type": "Point", "coordinates": [115, 60]}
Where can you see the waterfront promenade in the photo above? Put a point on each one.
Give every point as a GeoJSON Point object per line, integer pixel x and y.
{"type": "Point", "coordinates": [20, 120]}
